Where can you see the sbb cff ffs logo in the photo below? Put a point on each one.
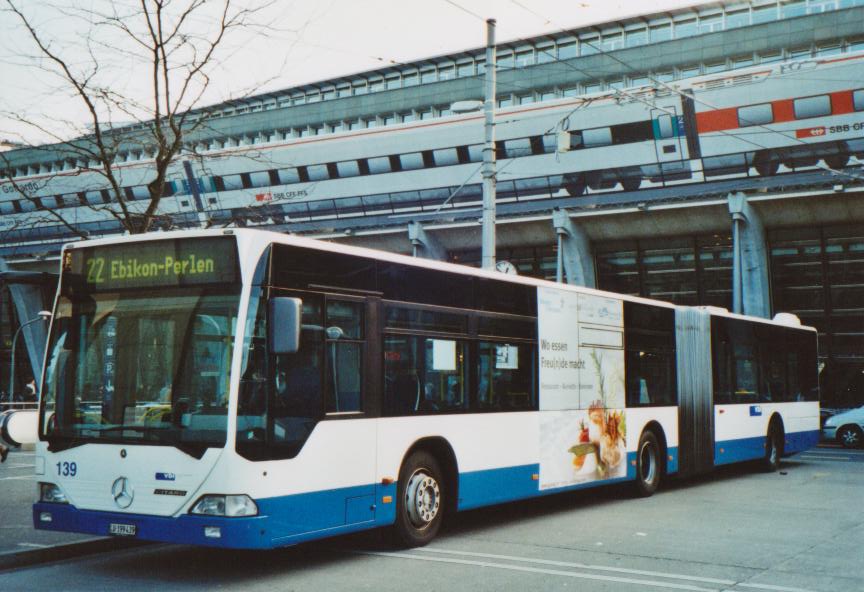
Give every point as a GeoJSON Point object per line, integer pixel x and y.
{"type": "Point", "coordinates": [811, 132]}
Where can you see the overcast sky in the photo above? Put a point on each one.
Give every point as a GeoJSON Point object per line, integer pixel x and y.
{"type": "Point", "coordinates": [309, 40]}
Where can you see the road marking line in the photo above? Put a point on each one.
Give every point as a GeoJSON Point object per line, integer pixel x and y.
{"type": "Point", "coordinates": [625, 570]}
{"type": "Point", "coordinates": [537, 570]}
{"type": "Point", "coordinates": [830, 458]}
{"type": "Point", "coordinates": [770, 587]}
{"type": "Point", "coordinates": [33, 545]}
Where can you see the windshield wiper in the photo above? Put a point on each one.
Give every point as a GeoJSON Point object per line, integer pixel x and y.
{"type": "Point", "coordinates": [131, 428]}
{"type": "Point", "coordinates": [193, 449]}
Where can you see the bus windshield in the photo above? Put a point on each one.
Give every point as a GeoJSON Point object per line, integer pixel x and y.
{"type": "Point", "coordinates": [146, 365]}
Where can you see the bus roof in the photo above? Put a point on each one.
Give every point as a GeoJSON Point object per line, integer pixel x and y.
{"type": "Point", "coordinates": [265, 237]}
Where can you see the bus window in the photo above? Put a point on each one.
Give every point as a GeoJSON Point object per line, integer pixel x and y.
{"type": "Point", "coordinates": [344, 335]}
{"type": "Point", "coordinates": [423, 375]}
{"type": "Point", "coordinates": [649, 362]}
{"type": "Point", "coordinates": [297, 383]}
{"type": "Point", "coordinates": [505, 376]}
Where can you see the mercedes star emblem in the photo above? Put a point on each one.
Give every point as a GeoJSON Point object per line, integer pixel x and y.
{"type": "Point", "coordinates": [123, 493]}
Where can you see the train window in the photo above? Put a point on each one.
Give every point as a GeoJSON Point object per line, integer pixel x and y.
{"type": "Point", "coordinates": [664, 126]}
{"type": "Point", "coordinates": [576, 140]}
{"type": "Point", "coordinates": [230, 182]}
{"type": "Point", "coordinates": [601, 136]}
{"type": "Point", "coordinates": [858, 100]}
{"type": "Point", "coordinates": [446, 156]}
{"type": "Point", "coordinates": [348, 168]}
{"type": "Point", "coordinates": [755, 115]}
{"type": "Point", "coordinates": [475, 153]}
{"type": "Point", "coordinates": [517, 148]}
{"type": "Point", "coordinates": [379, 164]}
{"type": "Point", "coordinates": [288, 176]}
{"type": "Point", "coordinates": [411, 161]}
{"type": "Point", "coordinates": [138, 192]}
{"type": "Point", "coordinates": [260, 179]}
{"type": "Point", "coordinates": [812, 107]}
{"type": "Point", "coordinates": [317, 172]}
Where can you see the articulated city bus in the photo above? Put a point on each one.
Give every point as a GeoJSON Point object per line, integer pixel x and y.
{"type": "Point", "coordinates": [248, 389]}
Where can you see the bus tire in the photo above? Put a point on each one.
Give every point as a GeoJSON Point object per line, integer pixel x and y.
{"type": "Point", "coordinates": [420, 501]}
{"type": "Point", "coordinates": [773, 448]}
{"type": "Point", "coordinates": [649, 468]}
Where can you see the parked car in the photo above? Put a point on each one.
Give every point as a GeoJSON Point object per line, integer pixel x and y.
{"type": "Point", "coordinates": [846, 428]}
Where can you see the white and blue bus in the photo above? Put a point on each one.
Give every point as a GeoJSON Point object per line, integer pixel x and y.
{"type": "Point", "coordinates": [247, 389]}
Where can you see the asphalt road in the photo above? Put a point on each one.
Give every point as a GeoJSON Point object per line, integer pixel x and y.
{"type": "Point", "coordinates": [801, 529]}
{"type": "Point", "coordinates": [17, 492]}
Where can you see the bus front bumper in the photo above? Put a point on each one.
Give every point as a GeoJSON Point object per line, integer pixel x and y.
{"type": "Point", "coordinates": [213, 531]}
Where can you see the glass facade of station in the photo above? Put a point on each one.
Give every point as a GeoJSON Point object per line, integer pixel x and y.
{"type": "Point", "coordinates": [817, 274]}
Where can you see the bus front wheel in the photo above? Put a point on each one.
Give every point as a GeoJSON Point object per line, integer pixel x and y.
{"type": "Point", "coordinates": [420, 503]}
{"type": "Point", "coordinates": [648, 467]}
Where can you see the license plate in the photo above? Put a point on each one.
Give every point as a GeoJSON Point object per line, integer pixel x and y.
{"type": "Point", "coordinates": [122, 529]}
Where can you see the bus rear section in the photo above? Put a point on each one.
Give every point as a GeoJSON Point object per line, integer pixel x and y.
{"type": "Point", "coordinates": [748, 389]}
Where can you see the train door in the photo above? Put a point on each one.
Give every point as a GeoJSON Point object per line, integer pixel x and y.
{"type": "Point", "coordinates": [667, 136]}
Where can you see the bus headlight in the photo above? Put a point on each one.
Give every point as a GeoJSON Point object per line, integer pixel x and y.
{"type": "Point", "coordinates": [230, 506]}
{"type": "Point", "coordinates": [51, 494]}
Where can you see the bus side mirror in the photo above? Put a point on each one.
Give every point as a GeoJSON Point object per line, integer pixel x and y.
{"type": "Point", "coordinates": [284, 325]}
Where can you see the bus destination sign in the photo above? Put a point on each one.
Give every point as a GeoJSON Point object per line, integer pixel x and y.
{"type": "Point", "coordinates": [160, 263]}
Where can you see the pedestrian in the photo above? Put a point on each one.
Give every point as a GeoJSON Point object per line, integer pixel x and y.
{"type": "Point", "coordinates": [4, 452]}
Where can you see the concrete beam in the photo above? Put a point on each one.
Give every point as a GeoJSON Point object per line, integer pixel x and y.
{"type": "Point", "coordinates": [575, 259]}
{"type": "Point", "coordinates": [425, 245]}
{"type": "Point", "coordinates": [750, 284]}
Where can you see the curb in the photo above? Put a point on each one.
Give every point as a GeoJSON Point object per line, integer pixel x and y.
{"type": "Point", "coordinates": [18, 559]}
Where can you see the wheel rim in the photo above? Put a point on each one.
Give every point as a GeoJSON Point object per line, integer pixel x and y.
{"type": "Point", "coordinates": [647, 463]}
{"type": "Point", "coordinates": [772, 453]}
{"type": "Point", "coordinates": [422, 498]}
{"type": "Point", "coordinates": [849, 437]}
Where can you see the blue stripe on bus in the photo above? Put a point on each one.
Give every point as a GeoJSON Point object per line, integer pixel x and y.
{"type": "Point", "coordinates": [292, 519]}
{"type": "Point", "coordinates": [731, 451]}
{"type": "Point", "coordinates": [248, 533]}
{"type": "Point", "coordinates": [800, 441]}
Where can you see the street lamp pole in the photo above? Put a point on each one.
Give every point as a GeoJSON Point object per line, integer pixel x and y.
{"type": "Point", "coordinates": [488, 220]}
{"type": "Point", "coordinates": [43, 315]}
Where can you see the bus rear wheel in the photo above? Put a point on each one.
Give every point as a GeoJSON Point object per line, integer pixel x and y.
{"type": "Point", "coordinates": [420, 502]}
{"type": "Point", "coordinates": [648, 465]}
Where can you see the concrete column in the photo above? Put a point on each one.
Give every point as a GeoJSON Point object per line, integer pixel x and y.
{"type": "Point", "coordinates": [575, 259]}
{"type": "Point", "coordinates": [751, 292]}
{"type": "Point", "coordinates": [425, 245]}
